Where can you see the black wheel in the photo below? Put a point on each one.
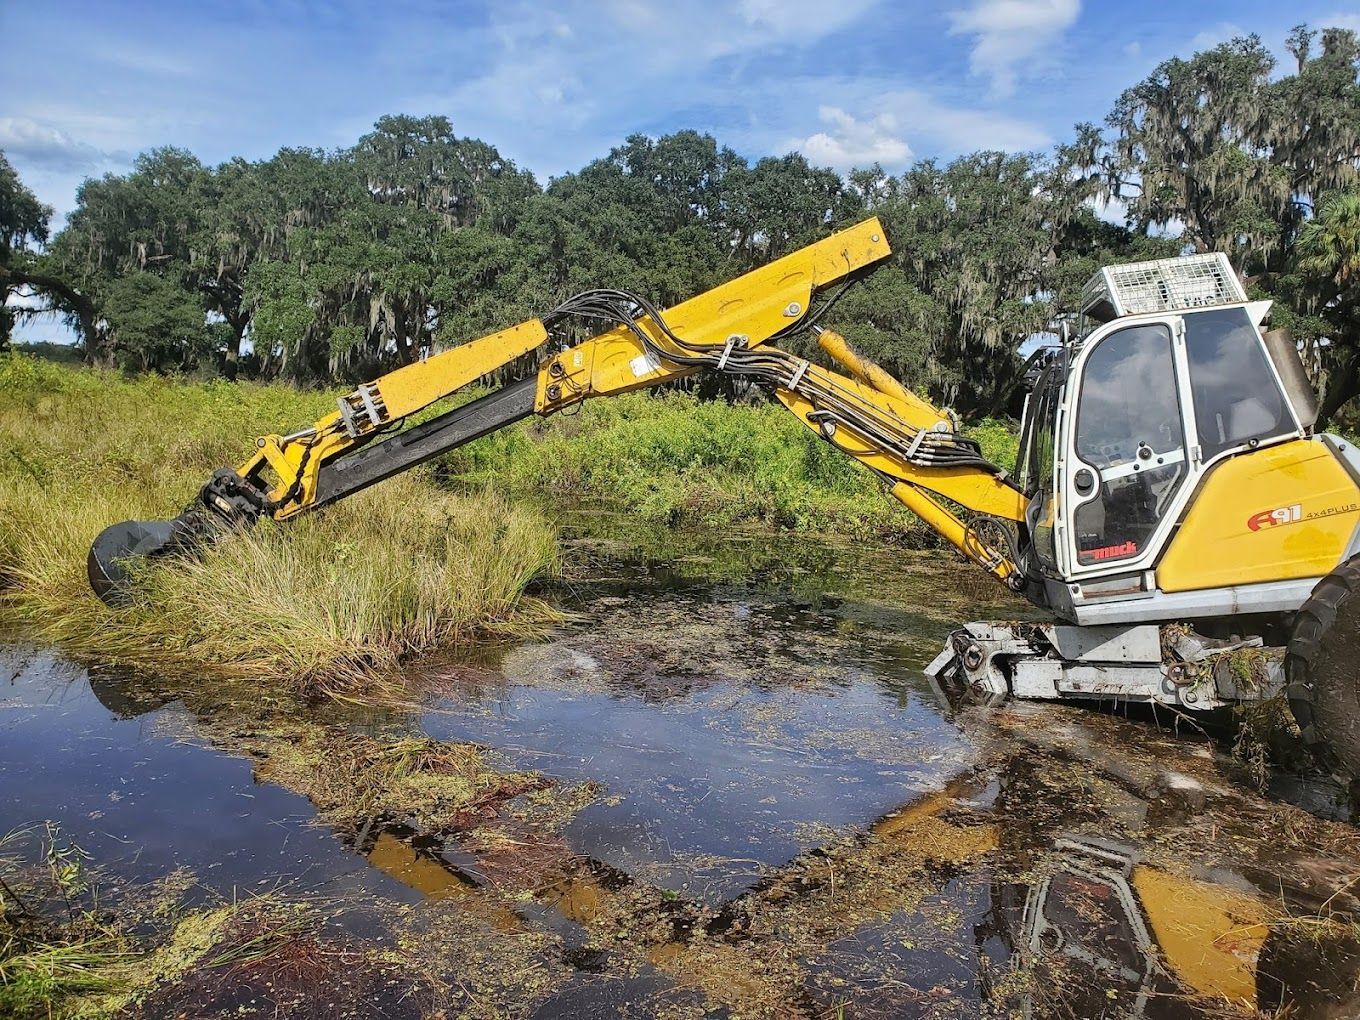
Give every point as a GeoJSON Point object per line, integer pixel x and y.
{"type": "Point", "coordinates": [1322, 670]}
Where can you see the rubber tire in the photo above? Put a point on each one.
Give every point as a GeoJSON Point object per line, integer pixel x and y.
{"type": "Point", "coordinates": [1322, 670]}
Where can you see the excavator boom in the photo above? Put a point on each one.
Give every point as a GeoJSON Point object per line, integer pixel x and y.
{"type": "Point", "coordinates": [913, 446]}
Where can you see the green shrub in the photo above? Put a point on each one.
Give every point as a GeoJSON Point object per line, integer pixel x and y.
{"type": "Point", "coordinates": [999, 439]}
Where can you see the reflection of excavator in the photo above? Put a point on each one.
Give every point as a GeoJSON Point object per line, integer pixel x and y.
{"type": "Point", "coordinates": [1129, 933]}
{"type": "Point", "coordinates": [1171, 505]}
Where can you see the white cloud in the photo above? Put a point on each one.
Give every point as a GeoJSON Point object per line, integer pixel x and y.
{"type": "Point", "coordinates": [1012, 35]}
{"type": "Point", "coordinates": [685, 30]}
{"type": "Point", "coordinates": [848, 142]}
{"type": "Point", "coordinates": [870, 121]}
{"type": "Point", "coordinates": [147, 60]}
{"type": "Point", "coordinates": [1211, 37]}
{"type": "Point", "coordinates": [50, 148]}
{"type": "Point", "coordinates": [553, 91]}
{"type": "Point", "coordinates": [1133, 49]}
{"type": "Point", "coordinates": [958, 129]}
{"type": "Point", "coordinates": [1339, 20]}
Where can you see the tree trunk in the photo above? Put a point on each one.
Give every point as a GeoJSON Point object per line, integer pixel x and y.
{"type": "Point", "coordinates": [66, 295]}
{"type": "Point", "coordinates": [233, 365]}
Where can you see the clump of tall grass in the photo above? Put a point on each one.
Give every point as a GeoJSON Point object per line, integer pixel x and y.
{"type": "Point", "coordinates": [330, 601]}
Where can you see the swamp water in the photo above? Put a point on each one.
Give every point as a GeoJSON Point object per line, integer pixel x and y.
{"type": "Point", "coordinates": [762, 809]}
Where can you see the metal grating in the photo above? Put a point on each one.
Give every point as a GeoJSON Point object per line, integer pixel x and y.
{"type": "Point", "coordinates": [1191, 281]}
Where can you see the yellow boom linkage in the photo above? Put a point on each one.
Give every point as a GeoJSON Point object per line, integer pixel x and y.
{"type": "Point", "coordinates": [912, 445]}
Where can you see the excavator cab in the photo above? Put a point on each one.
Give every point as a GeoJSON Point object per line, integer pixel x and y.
{"type": "Point", "coordinates": [1181, 517]}
{"type": "Point", "coordinates": [1170, 378]}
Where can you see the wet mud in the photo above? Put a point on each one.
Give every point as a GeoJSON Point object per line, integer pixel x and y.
{"type": "Point", "coordinates": [721, 788]}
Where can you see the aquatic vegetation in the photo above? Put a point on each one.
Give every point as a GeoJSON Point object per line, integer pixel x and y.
{"type": "Point", "coordinates": [433, 785]}
{"type": "Point", "coordinates": [64, 952]}
{"type": "Point", "coordinates": [330, 603]}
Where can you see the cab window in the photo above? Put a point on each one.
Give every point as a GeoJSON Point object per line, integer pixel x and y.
{"type": "Point", "coordinates": [1235, 393]}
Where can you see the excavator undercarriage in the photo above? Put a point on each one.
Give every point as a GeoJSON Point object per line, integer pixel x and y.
{"type": "Point", "coordinates": [1171, 506]}
{"type": "Point", "coordinates": [1167, 665]}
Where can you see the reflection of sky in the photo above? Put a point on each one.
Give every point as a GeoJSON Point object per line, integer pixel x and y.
{"type": "Point", "coordinates": [1128, 392]}
{"type": "Point", "coordinates": [1227, 367]}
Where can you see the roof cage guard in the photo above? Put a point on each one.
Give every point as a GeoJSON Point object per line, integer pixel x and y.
{"type": "Point", "coordinates": [1191, 281]}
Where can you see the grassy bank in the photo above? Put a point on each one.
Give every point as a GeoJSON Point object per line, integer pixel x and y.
{"type": "Point", "coordinates": [673, 459]}
{"type": "Point", "coordinates": [333, 600]}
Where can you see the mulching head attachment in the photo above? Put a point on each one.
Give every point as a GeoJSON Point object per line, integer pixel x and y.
{"type": "Point", "coordinates": [226, 503]}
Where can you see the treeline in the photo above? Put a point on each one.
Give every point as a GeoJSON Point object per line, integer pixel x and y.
{"type": "Point", "coordinates": [319, 266]}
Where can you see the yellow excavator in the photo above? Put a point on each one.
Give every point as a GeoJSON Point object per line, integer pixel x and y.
{"type": "Point", "coordinates": [1171, 508]}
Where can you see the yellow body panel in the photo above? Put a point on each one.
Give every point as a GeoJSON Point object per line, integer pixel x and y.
{"type": "Point", "coordinates": [1278, 513]}
{"type": "Point", "coordinates": [409, 389]}
{"type": "Point", "coordinates": [1210, 935]}
{"type": "Point", "coordinates": [754, 306]}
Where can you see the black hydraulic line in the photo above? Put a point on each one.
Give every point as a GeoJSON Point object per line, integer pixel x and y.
{"type": "Point", "coordinates": [347, 475]}
{"type": "Point", "coordinates": [775, 369]}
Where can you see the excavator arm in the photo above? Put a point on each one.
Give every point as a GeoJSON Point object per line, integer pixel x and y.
{"type": "Point", "coordinates": [914, 447]}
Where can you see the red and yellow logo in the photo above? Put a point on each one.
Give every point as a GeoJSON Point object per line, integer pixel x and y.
{"type": "Point", "coordinates": [1273, 518]}
{"type": "Point", "coordinates": [1293, 513]}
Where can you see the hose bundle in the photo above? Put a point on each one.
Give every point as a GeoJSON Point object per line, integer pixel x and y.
{"type": "Point", "coordinates": [834, 405]}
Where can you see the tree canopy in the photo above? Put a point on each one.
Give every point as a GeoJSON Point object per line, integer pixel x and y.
{"type": "Point", "coordinates": [23, 223]}
{"type": "Point", "coordinates": [318, 266]}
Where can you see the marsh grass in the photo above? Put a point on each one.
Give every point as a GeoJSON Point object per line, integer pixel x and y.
{"type": "Point", "coordinates": [333, 602]}
{"type": "Point", "coordinates": [672, 459]}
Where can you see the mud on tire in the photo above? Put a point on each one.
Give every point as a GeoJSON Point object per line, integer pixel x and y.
{"type": "Point", "coordinates": [1322, 670]}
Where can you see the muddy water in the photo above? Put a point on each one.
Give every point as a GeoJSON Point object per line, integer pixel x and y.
{"type": "Point", "coordinates": [788, 819]}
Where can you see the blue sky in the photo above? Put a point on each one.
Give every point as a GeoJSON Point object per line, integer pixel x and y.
{"type": "Point", "coordinates": [553, 85]}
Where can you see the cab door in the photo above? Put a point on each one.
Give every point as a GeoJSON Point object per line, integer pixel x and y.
{"type": "Point", "coordinates": [1128, 448]}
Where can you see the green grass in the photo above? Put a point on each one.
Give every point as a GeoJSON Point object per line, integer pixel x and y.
{"type": "Point", "coordinates": [333, 601]}
{"type": "Point", "coordinates": [673, 459]}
